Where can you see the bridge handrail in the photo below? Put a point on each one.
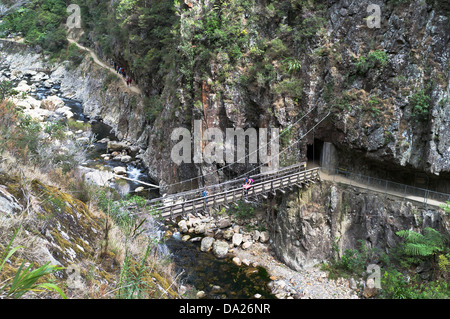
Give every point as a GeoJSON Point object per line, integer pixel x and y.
{"type": "Point", "coordinates": [387, 186]}
{"type": "Point", "coordinates": [271, 181]}
{"type": "Point", "coordinates": [238, 182]}
{"type": "Point", "coordinates": [198, 191]}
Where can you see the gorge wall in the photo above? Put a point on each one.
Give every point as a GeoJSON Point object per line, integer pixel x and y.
{"type": "Point", "coordinates": [305, 224]}
{"type": "Point", "coordinates": [379, 95]}
{"type": "Point", "coordinates": [386, 88]}
{"type": "Point", "coordinates": [267, 63]}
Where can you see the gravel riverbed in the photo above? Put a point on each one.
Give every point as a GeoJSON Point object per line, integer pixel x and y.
{"type": "Point", "coordinates": [310, 283]}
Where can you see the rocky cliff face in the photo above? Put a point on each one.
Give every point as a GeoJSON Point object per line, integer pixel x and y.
{"type": "Point", "coordinates": [387, 88]}
{"type": "Point", "coordinates": [379, 118]}
{"type": "Point", "coordinates": [102, 93]}
{"type": "Point", "coordinates": [55, 228]}
{"type": "Point", "coordinates": [306, 223]}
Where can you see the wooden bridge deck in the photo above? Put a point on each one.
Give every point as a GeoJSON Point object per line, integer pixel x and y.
{"type": "Point", "coordinates": [231, 192]}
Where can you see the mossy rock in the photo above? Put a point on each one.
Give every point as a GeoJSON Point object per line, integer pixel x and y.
{"type": "Point", "coordinates": [70, 226]}
{"type": "Point", "coordinates": [13, 185]}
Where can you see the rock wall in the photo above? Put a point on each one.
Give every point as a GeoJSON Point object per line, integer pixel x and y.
{"type": "Point", "coordinates": [305, 223]}
{"type": "Point", "coordinates": [101, 92]}
{"type": "Point", "coordinates": [372, 119]}
{"type": "Point", "coordinates": [372, 116]}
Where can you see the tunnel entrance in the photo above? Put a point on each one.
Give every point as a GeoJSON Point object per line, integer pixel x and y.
{"type": "Point", "coordinates": [314, 151]}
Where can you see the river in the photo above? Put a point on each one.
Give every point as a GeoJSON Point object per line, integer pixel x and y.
{"type": "Point", "coordinates": [200, 271]}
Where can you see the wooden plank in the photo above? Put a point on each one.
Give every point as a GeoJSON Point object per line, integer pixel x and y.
{"type": "Point", "coordinates": [277, 182]}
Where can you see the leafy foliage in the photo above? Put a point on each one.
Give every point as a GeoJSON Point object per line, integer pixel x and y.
{"type": "Point", "coordinates": [243, 210]}
{"type": "Point", "coordinates": [26, 279]}
{"type": "Point", "coordinates": [446, 207]}
{"type": "Point", "coordinates": [374, 58]}
{"type": "Point", "coordinates": [396, 286]}
{"type": "Point", "coordinates": [292, 64]}
{"type": "Point", "coordinates": [352, 261]}
{"type": "Point", "coordinates": [398, 281]}
{"type": "Point", "coordinates": [39, 22]}
{"type": "Point", "coordinates": [420, 104]}
{"type": "Point", "coordinates": [5, 89]}
{"type": "Point", "coordinates": [425, 245]}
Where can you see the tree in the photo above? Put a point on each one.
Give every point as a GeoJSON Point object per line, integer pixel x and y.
{"type": "Point", "coordinates": [5, 89]}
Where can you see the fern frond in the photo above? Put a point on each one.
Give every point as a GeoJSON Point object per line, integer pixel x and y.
{"type": "Point", "coordinates": [419, 250]}
{"type": "Point", "coordinates": [417, 244]}
{"type": "Point", "coordinates": [433, 237]}
{"type": "Point", "coordinates": [411, 236]}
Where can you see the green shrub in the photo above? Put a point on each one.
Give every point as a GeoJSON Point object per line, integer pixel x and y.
{"type": "Point", "coordinates": [26, 139]}
{"type": "Point", "coordinates": [74, 55]}
{"type": "Point", "coordinates": [446, 207]}
{"type": "Point", "coordinates": [352, 262]}
{"type": "Point", "coordinates": [374, 58]}
{"type": "Point", "coordinates": [243, 210]}
{"type": "Point", "coordinates": [395, 286]}
{"type": "Point", "coordinates": [55, 130]}
{"type": "Point", "coordinates": [420, 105]}
{"type": "Point", "coordinates": [292, 65]}
{"type": "Point", "coordinates": [153, 106]}
{"type": "Point", "coordinates": [5, 89]}
{"type": "Point", "coordinates": [276, 49]}
{"type": "Point", "coordinates": [75, 125]}
{"type": "Point", "coordinates": [292, 87]}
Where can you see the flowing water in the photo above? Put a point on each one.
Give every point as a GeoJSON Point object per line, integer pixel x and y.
{"type": "Point", "coordinates": [218, 278]}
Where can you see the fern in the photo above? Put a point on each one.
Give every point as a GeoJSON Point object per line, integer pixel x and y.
{"type": "Point", "coordinates": [424, 245]}
{"type": "Point", "coordinates": [420, 250]}
{"type": "Point", "coordinates": [411, 236]}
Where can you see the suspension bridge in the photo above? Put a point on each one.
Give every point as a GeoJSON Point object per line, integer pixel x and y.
{"type": "Point", "coordinates": [230, 192]}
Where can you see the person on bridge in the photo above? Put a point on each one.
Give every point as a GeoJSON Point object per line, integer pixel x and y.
{"type": "Point", "coordinates": [247, 184]}
{"type": "Point", "coordinates": [205, 194]}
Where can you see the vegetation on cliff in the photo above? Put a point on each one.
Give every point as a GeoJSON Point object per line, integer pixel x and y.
{"type": "Point", "coordinates": [418, 267]}
{"type": "Point", "coordinates": [61, 236]}
{"type": "Point", "coordinates": [273, 60]}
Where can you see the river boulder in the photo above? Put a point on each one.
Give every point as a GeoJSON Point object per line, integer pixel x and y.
{"type": "Point", "coordinates": [125, 159]}
{"type": "Point", "coordinates": [264, 236]}
{"type": "Point", "coordinates": [224, 223]}
{"type": "Point", "coordinates": [23, 87]}
{"type": "Point", "coordinates": [220, 248]}
{"type": "Point", "coordinates": [52, 103]}
{"type": "Point", "coordinates": [116, 146]}
{"type": "Point", "coordinates": [183, 226]}
{"type": "Point", "coordinates": [120, 170]}
{"type": "Point", "coordinates": [237, 239]}
{"type": "Point", "coordinates": [207, 244]}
